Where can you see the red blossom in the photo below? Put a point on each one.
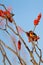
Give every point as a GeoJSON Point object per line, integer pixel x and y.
{"type": "Point", "coordinates": [19, 45]}
{"type": "Point", "coordinates": [1, 13]}
{"type": "Point", "coordinates": [36, 21]}
{"type": "Point", "coordinates": [39, 16]}
{"type": "Point", "coordinates": [9, 16]}
{"type": "Point", "coordinates": [6, 14]}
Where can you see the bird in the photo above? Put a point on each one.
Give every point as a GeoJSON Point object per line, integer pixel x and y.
{"type": "Point", "coordinates": [32, 36]}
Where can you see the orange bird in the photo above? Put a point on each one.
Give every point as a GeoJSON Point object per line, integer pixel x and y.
{"type": "Point", "coordinates": [32, 36]}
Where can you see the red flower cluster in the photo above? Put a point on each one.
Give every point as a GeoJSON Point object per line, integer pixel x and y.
{"type": "Point", "coordinates": [36, 21]}
{"type": "Point", "coordinates": [39, 16]}
{"type": "Point", "coordinates": [19, 45]}
{"type": "Point", "coordinates": [1, 13]}
{"type": "Point", "coordinates": [6, 14]}
{"type": "Point", "coordinates": [9, 16]}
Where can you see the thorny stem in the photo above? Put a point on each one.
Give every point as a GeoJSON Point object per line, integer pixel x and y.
{"type": "Point", "coordinates": [25, 45]}
{"type": "Point", "coordinates": [40, 54]}
{"type": "Point", "coordinates": [9, 34]}
{"type": "Point", "coordinates": [3, 6]}
{"type": "Point", "coordinates": [24, 41]}
{"type": "Point", "coordinates": [4, 54]}
{"type": "Point", "coordinates": [13, 52]}
{"type": "Point", "coordinates": [6, 15]}
{"type": "Point", "coordinates": [20, 37]}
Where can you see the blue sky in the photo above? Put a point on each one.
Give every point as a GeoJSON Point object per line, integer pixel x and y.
{"type": "Point", "coordinates": [25, 12]}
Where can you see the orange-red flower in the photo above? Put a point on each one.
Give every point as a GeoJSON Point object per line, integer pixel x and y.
{"type": "Point", "coordinates": [39, 16]}
{"type": "Point", "coordinates": [19, 45]}
{"type": "Point", "coordinates": [6, 14]}
{"type": "Point", "coordinates": [36, 21]}
{"type": "Point", "coordinates": [32, 36]}
{"type": "Point", "coordinates": [1, 13]}
{"type": "Point", "coordinates": [9, 16]}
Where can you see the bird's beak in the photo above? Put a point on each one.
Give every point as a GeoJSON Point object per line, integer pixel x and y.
{"type": "Point", "coordinates": [12, 14]}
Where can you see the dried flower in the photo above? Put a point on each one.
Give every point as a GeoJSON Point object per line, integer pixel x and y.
{"type": "Point", "coordinates": [19, 45]}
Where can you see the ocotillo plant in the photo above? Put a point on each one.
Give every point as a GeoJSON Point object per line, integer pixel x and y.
{"type": "Point", "coordinates": [18, 40]}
